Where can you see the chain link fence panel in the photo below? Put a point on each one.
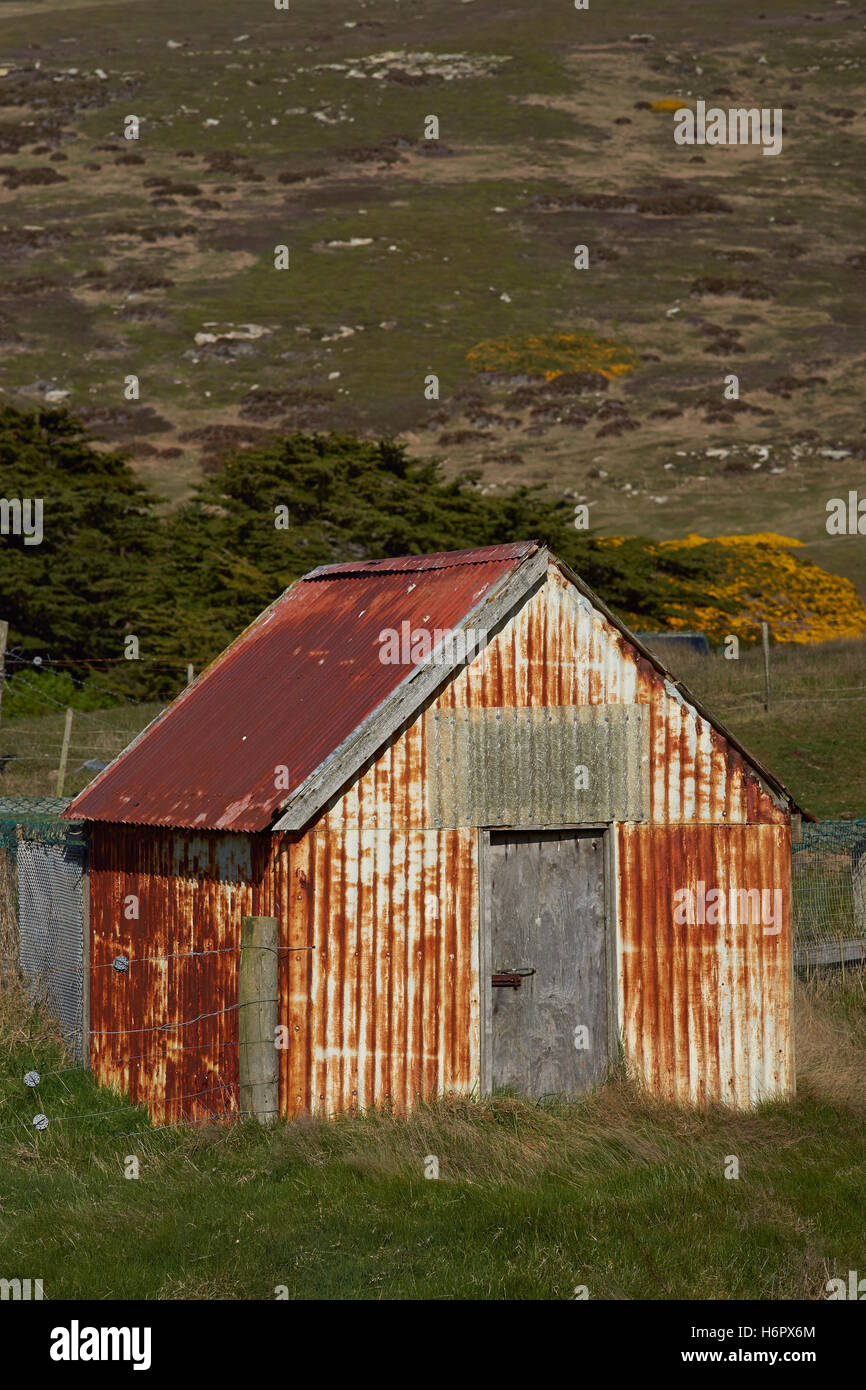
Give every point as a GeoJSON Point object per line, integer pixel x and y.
{"type": "Point", "coordinates": [42, 863]}
{"type": "Point", "coordinates": [829, 885]}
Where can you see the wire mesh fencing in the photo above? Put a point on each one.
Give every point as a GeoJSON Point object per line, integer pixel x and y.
{"type": "Point", "coordinates": [829, 889]}
{"type": "Point", "coordinates": [42, 861]}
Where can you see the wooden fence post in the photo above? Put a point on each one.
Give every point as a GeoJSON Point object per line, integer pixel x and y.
{"type": "Point", "coordinates": [765, 639]}
{"type": "Point", "coordinates": [64, 753]}
{"type": "Point", "coordinates": [257, 1019]}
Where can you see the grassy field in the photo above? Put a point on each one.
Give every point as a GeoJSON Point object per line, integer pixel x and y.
{"type": "Point", "coordinates": [619, 1195]}
{"type": "Point", "coordinates": [261, 128]}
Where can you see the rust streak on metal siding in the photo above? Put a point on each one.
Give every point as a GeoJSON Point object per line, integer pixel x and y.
{"type": "Point", "coordinates": [191, 893]}
{"type": "Point", "coordinates": [558, 649]}
{"type": "Point", "coordinates": [705, 1009]}
{"type": "Point", "coordinates": [389, 998]}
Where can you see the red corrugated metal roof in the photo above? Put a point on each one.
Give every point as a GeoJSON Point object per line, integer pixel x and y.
{"type": "Point", "coordinates": [437, 560]}
{"type": "Point", "coordinates": [288, 692]}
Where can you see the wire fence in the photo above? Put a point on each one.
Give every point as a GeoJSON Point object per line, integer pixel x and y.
{"type": "Point", "coordinates": [829, 891]}
{"type": "Point", "coordinates": [38, 751]}
{"type": "Point", "coordinates": [41, 933]}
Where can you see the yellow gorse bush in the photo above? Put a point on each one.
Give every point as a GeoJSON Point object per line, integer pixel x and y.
{"type": "Point", "coordinates": [766, 581]}
{"type": "Point", "coordinates": [552, 354]}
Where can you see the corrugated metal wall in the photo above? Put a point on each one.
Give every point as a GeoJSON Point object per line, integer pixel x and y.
{"type": "Point", "coordinates": [559, 650]}
{"type": "Point", "coordinates": [705, 1008]}
{"type": "Point", "coordinates": [148, 1036]}
{"type": "Point", "coordinates": [385, 1009]}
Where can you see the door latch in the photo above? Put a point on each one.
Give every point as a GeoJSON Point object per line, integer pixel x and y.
{"type": "Point", "coordinates": [511, 979]}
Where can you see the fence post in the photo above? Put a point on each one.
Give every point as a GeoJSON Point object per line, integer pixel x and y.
{"type": "Point", "coordinates": [765, 638]}
{"type": "Point", "coordinates": [64, 753]}
{"type": "Point", "coordinates": [257, 1019]}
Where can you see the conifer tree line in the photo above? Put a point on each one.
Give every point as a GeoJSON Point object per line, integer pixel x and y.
{"type": "Point", "coordinates": [115, 560]}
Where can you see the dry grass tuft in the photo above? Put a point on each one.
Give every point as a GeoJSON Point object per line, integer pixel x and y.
{"type": "Point", "coordinates": [22, 1025]}
{"type": "Point", "coordinates": [830, 1036]}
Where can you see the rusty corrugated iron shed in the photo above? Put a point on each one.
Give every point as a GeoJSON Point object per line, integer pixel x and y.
{"type": "Point", "coordinates": [382, 980]}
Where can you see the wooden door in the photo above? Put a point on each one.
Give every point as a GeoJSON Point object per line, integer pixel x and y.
{"type": "Point", "coordinates": [545, 917]}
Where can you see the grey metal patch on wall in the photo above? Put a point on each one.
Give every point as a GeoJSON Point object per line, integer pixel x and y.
{"type": "Point", "coordinates": [544, 765]}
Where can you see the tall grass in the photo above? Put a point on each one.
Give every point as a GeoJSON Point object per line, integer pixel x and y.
{"type": "Point", "coordinates": [617, 1192]}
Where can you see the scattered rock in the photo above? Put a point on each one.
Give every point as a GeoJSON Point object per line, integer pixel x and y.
{"type": "Point", "coordinates": [342, 245]}
{"type": "Point", "coordinates": [242, 332]}
{"type": "Point", "coordinates": [416, 68]}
